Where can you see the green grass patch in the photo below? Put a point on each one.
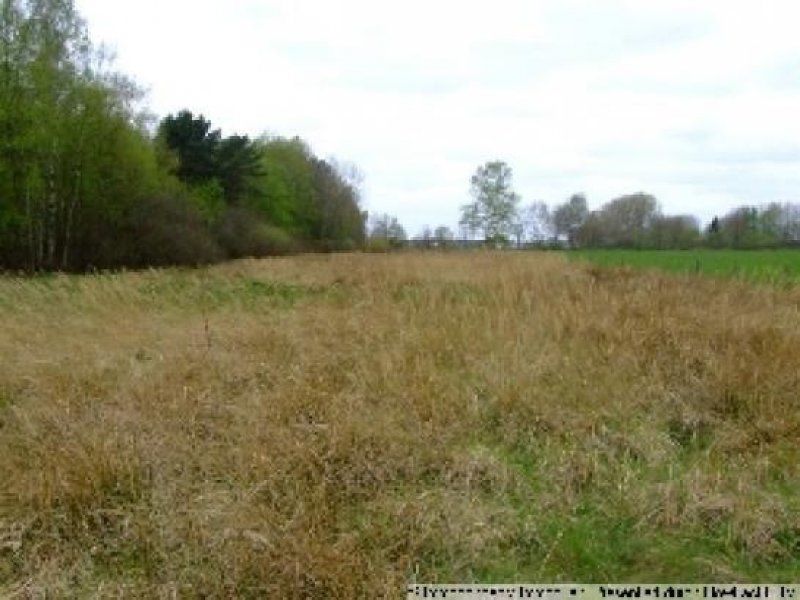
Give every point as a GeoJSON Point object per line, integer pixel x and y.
{"type": "Point", "coordinates": [245, 292]}
{"type": "Point", "coordinates": [763, 266]}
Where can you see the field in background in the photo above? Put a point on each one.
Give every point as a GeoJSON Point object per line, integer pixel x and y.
{"type": "Point", "coordinates": [763, 266]}
{"type": "Point", "coordinates": [337, 426]}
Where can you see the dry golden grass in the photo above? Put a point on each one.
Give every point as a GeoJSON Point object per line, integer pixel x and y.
{"type": "Point", "coordinates": [337, 426]}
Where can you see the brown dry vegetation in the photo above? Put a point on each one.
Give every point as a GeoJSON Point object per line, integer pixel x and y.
{"type": "Point", "coordinates": [337, 426]}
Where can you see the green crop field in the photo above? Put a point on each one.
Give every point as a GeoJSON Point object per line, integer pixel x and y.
{"type": "Point", "coordinates": [763, 266]}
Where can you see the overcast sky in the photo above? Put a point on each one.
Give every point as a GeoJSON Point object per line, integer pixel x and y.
{"type": "Point", "coordinates": [697, 102]}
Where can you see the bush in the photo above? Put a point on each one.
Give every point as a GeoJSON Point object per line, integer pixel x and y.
{"type": "Point", "coordinates": [327, 246]}
{"type": "Point", "coordinates": [241, 233]}
{"type": "Point", "coordinates": [167, 230]}
{"type": "Point", "coordinates": [378, 244]}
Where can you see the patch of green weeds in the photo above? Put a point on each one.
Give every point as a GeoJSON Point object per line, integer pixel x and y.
{"type": "Point", "coordinates": [250, 293]}
{"type": "Point", "coordinates": [690, 436]}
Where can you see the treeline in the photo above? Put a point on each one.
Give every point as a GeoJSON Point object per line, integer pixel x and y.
{"type": "Point", "coordinates": [86, 183]}
{"type": "Point", "coordinates": [630, 221]}
{"type": "Point", "coordinates": [636, 221]}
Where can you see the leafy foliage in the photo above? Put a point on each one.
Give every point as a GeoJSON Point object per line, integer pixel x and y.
{"type": "Point", "coordinates": [756, 227]}
{"type": "Point", "coordinates": [493, 210]}
{"type": "Point", "coordinates": [82, 184]}
{"type": "Point", "coordinates": [195, 144]}
{"type": "Point", "coordinates": [67, 128]}
{"type": "Point", "coordinates": [387, 227]}
{"type": "Point", "coordinates": [570, 216]}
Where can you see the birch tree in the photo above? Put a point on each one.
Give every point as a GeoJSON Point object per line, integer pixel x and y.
{"type": "Point", "coordinates": [493, 210]}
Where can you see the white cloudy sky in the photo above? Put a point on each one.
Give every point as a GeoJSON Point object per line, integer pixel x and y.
{"type": "Point", "coordinates": [695, 101]}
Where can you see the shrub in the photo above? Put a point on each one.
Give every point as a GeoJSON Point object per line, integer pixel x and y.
{"type": "Point", "coordinates": [168, 230]}
{"type": "Point", "coordinates": [378, 244]}
{"type": "Point", "coordinates": [241, 233]}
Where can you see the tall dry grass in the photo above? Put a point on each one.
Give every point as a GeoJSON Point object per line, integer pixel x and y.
{"type": "Point", "coordinates": [337, 426]}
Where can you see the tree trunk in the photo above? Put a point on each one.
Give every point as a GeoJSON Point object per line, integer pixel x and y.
{"type": "Point", "coordinates": [69, 220]}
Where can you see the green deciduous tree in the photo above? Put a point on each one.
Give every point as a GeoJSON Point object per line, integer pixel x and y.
{"type": "Point", "coordinates": [285, 194]}
{"type": "Point", "coordinates": [83, 184]}
{"type": "Point", "coordinates": [673, 232]}
{"type": "Point", "coordinates": [387, 227]}
{"type": "Point", "coordinates": [537, 222]}
{"type": "Point", "coordinates": [626, 221]}
{"type": "Point", "coordinates": [570, 216]}
{"type": "Point", "coordinates": [756, 226]}
{"type": "Point", "coordinates": [337, 198]}
{"type": "Point", "coordinates": [493, 211]}
{"type": "Point", "coordinates": [442, 233]}
{"type": "Point", "coordinates": [70, 149]}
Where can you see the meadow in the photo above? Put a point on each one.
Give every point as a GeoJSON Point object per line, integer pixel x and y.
{"type": "Point", "coordinates": [780, 266]}
{"type": "Point", "coordinates": [339, 426]}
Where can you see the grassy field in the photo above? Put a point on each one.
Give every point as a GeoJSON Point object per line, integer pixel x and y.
{"type": "Point", "coordinates": [338, 426]}
{"type": "Point", "coordinates": [763, 266]}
